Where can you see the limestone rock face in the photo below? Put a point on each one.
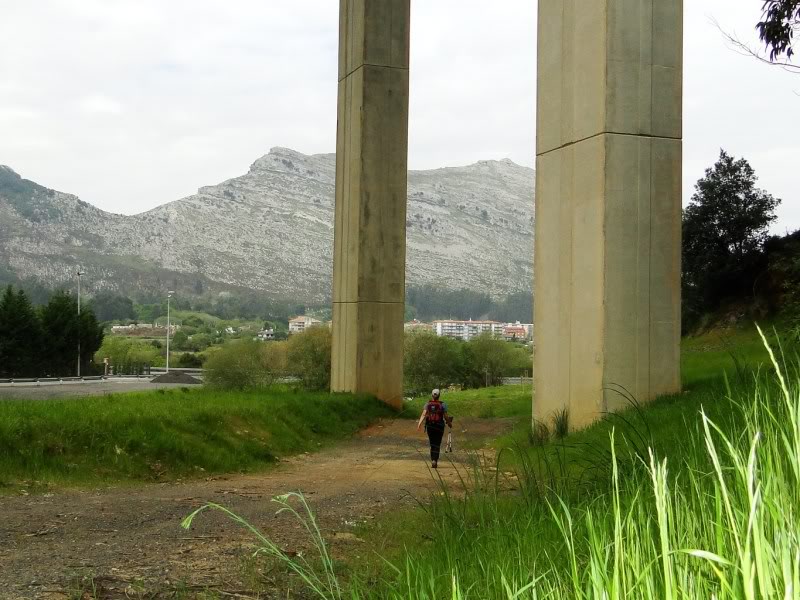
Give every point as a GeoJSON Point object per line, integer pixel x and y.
{"type": "Point", "coordinates": [272, 230]}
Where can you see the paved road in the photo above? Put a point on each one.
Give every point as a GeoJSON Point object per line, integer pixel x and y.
{"type": "Point", "coordinates": [48, 391]}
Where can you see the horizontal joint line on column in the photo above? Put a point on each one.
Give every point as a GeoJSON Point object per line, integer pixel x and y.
{"type": "Point", "coordinates": [372, 65]}
{"type": "Point", "coordinates": [591, 137]}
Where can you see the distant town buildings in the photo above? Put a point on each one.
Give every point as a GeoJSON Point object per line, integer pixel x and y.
{"type": "Point", "coordinates": [467, 330]}
{"type": "Point", "coordinates": [416, 325]}
{"type": "Point", "coordinates": [131, 327]}
{"type": "Point", "coordinates": [141, 329]}
{"type": "Point", "coordinates": [300, 324]}
{"type": "Point", "coordinates": [518, 332]}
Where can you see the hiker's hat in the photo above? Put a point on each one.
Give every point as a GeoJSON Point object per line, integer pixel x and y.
{"type": "Point", "coordinates": [436, 393]}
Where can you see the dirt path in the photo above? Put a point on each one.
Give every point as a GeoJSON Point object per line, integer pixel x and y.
{"type": "Point", "coordinates": [129, 539]}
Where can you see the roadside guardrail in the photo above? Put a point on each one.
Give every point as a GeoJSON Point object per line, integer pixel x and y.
{"type": "Point", "coordinates": [517, 381]}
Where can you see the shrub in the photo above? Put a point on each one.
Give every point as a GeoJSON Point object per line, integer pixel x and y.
{"type": "Point", "coordinates": [187, 360]}
{"type": "Point", "coordinates": [431, 361]}
{"type": "Point", "coordinates": [489, 359]}
{"type": "Point", "coordinates": [180, 340]}
{"type": "Point", "coordinates": [199, 342]}
{"type": "Point", "coordinates": [309, 357]}
{"type": "Point", "coordinates": [128, 355]}
{"type": "Point", "coordinates": [245, 365]}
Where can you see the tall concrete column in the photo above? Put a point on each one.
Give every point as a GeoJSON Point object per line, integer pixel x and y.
{"type": "Point", "coordinates": [371, 190]}
{"type": "Point", "coordinates": [608, 204]}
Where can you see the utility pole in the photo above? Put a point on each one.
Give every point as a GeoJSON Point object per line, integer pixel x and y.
{"type": "Point", "coordinates": [79, 273]}
{"type": "Point", "coordinates": [169, 295]}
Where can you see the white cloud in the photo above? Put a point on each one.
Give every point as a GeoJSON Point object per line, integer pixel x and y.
{"type": "Point", "coordinates": [98, 104]}
{"type": "Point", "coordinates": [174, 95]}
{"type": "Point", "coordinates": [14, 113]}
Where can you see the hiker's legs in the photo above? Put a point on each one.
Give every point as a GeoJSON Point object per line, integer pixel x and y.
{"type": "Point", "coordinates": [435, 435]}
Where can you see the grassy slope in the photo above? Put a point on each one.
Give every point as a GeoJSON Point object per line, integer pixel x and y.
{"type": "Point", "coordinates": [168, 434]}
{"type": "Point", "coordinates": [507, 533]}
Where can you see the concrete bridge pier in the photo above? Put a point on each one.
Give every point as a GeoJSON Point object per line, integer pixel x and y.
{"type": "Point", "coordinates": [608, 204]}
{"type": "Point", "coordinates": [371, 190]}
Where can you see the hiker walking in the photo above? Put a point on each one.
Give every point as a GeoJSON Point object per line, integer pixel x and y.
{"type": "Point", "coordinates": [434, 415]}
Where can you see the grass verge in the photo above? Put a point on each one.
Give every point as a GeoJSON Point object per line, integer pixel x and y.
{"type": "Point", "coordinates": [688, 498]}
{"type": "Point", "coordinates": [164, 435]}
{"type": "Point", "coordinates": [694, 496]}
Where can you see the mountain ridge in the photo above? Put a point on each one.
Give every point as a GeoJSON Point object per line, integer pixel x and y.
{"type": "Point", "coordinates": [271, 229]}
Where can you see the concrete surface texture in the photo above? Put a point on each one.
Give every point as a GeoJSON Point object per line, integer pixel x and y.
{"type": "Point", "coordinates": [371, 190]}
{"type": "Point", "coordinates": [608, 205]}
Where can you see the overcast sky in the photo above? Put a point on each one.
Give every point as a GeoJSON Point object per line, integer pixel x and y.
{"type": "Point", "coordinates": [133, 103]}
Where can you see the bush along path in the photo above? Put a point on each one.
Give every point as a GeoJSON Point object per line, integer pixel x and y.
{"type": "Point", "coordinates": [128, 540]}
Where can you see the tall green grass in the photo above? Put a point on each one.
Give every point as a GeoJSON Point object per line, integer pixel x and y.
{"type": "Point", "coordinates": [732, 351]}
{"type": "Point", "coordinates": [714, 516]}
{"type": "Point", "coordinates": [168, 434]}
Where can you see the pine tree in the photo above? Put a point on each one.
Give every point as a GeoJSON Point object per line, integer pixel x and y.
{"type": "Point", "coordinates": [91, 333]}
{"type": "Point", "coordinates": [20, 336]}
{"type": "Point", "coordinates": [60, 328]}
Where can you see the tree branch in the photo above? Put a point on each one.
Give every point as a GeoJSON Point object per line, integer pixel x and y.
{"type": "Point", "coordinates": [745, 49]}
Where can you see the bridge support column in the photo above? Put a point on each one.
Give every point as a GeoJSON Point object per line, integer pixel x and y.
{"type": "Point", "coordinates": [608, 205]}
{"type": "Point", "coordinates": [371, 190]}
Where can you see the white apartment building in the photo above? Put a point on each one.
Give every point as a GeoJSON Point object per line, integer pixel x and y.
{"type": "Point", "coordinates": [466, 330]}
{"type": "Point", "coordinates": [301, 323]}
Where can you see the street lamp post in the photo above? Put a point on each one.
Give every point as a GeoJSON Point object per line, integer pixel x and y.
{"type": "Point", "coordinates": [79, 273]}
{"type": "Point", "coordinates": [169, 295]}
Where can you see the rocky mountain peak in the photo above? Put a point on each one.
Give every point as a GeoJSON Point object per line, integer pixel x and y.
{"type": "Point", "coordinates": [271, 229]}
{"type": "Point", "coordinates": [286, 160]}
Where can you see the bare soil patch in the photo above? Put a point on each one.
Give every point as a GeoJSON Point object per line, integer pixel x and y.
{"type": "Point", "coordinates": [129, 540]}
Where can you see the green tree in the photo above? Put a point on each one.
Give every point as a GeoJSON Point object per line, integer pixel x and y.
{"type": "Point", "coordinates": [780, 20]}
{"type": "Point", "coordinates": [108, 306]}
{"type": "Point", "coordinates": [61, 329]}
{"type": "Point", "coordinates": [724, 229]}
{"type": "Point", "coordinates": [149, 313]}
{"type": "Point", "coordinates": [309, 357]}
{"type": "Point", "coordinates": [199, 342]}
{"type": "Point", "coordinates": [193, 321]}
{"type": "Point", "coordinates": [20, 335]}
{"type": "Point", "coordinates": [91, 335]}
{"type": "Point", "coordinates": [489, 359]}
{"type": "Point", "coordinates": [246, 364]}
{"type": "Point", "coordinates": [128, 356]}
{"type": "Point", "coordinates": [517, 306]}
{"type": "Point", "coordinates": [188, 360]}
{"type": "Point", "coordinates": [180, 341]}
{"type": "Point", "coordinates": [430, 361]}
{"type": "Point", "coordinates": [432, 302]}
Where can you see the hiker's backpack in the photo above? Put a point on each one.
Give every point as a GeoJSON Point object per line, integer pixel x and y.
{"type": "Point", "coordinates": [436, 410]}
